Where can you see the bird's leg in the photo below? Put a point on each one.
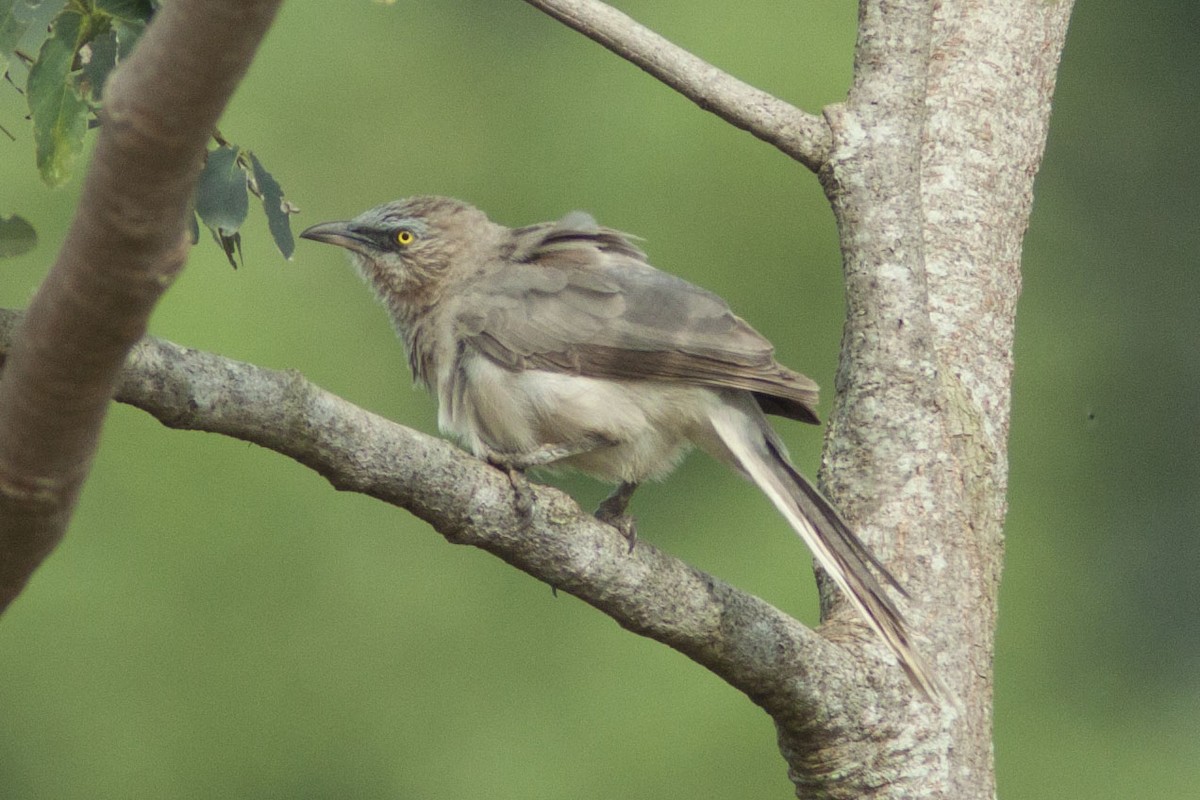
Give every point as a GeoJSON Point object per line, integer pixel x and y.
{"type": "Point", "coordinates": [516, 463]}
{"type": "Point", "coordinates": [522, 492]}
{"type": "Point", "coordinates": [612, 511]}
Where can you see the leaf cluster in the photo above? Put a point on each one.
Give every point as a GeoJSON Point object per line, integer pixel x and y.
{"type": "Point", "coordinates": [222, 200]}
{"type": "Point", "coordinates": [84, 41]}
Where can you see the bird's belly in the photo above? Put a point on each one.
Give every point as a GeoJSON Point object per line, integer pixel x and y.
{"type": "Point", "coordinates": [646, 425]}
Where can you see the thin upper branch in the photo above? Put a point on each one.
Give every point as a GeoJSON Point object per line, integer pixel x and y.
{"type": "Point", "coordinates": [803, 136]}
{"type": "Point", "coordinates": [125, 246]}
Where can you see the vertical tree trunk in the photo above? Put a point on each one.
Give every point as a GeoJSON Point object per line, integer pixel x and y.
{"type": "Point", "coordinates": [931, 178]}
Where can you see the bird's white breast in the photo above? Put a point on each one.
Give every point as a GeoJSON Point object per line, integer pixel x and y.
{"type": "Point", "coordinates": [493, 409]}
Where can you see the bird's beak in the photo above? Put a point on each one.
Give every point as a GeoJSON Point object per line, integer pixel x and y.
{"type": "Point", "coordinates": [342, 233]}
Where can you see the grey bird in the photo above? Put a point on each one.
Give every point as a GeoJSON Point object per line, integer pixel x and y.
{"type": "Point", "coordinates": [557, 344]}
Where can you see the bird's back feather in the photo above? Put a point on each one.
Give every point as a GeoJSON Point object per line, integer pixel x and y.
{"type": "Point", "coordinates": [578, 298]}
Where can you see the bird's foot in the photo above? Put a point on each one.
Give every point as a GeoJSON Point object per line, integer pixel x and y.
{"type": "Point", "coordinates": [612, 512]}
{"type": "Point", "coordinates": [625, 524]}
{"type": "Point", "coordinates": [523, 494]}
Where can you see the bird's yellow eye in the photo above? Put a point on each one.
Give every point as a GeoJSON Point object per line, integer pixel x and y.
{"type": "Point", "coordinates": [404, 237]}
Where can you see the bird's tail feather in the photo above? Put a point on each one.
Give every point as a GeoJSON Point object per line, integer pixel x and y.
{"type": "Point", "coordinates": [847, 560]}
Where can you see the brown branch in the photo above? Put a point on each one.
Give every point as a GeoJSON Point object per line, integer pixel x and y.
{"type": "Point", "coordinates": [783, 666]}
{"type": "Point", "coordinates": [802, 136]}
{"type": "Point", "coordinates": [125, 246]}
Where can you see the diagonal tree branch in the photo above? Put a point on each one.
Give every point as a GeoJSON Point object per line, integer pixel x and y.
{"type": "Point", "coordinates": [125, 246]}
{"type": "Point", "coordinates": [802, 136]}
{"type": "Point", "coordinates": [783, 666]}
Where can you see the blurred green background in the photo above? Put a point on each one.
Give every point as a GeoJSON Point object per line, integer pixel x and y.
{"type": "Point", "coordinates": [221, 623]}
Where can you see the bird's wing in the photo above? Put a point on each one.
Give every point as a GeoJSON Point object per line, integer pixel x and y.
{"type": "Point", "coordinates": [577, 298]}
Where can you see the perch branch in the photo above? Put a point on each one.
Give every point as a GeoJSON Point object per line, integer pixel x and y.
{"type": "Point", "coordinates": [779, 663]}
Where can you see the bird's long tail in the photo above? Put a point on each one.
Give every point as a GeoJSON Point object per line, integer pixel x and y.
{"type": "Point", "coordinates": [760, 454]}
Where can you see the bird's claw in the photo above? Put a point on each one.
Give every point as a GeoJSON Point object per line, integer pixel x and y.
{"type": "Point", "coordinates": [625, 524]}
{"type": "Point", "coordinates": [612, 512]}
{"type": "Point", "coordinates": [523, 494]}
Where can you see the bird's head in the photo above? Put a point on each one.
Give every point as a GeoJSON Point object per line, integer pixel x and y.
{"type": "Point", "coordinates": [408, 249]}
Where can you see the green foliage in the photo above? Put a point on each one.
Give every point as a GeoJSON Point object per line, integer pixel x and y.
{"type": "Point", "coordinates": [223, 201]}
{"type": "Point", "coordinates": [15, 18]}
{"type": "Point", "coordinates": [128, 19]}
{"type": "Point", "coordinates": [128, 10]}
{"type": "Point", "coordinates": [277, 209]}
{"type": "Point", "coordinates": [17, 236]}
{"type": "Point", "coordinates": [102, 60]}
{"type": "Point", "coordinates": [86, 41]}
{"type": "Point", "coordinates": [58, 111]}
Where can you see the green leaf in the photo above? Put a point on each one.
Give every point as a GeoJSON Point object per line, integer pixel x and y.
{"type": "Point", "coordinates": [16, 236]}
{"type": "Point", "coordinates": [221, 197]}
{"type": "Point", "coordinates": [101, 60]}
{"type": "Point", "coordinates": [277, 209]}
{"type": "Point", "coordinates": [25, 27]}
{"type": "Point", "coordinates": [126, 10]}
{"type": "Point", "coordinates": [11, 30]}
{"type": "Point", "coordinates": [13, 25]}
{"type": "Point", "coordinates": [15, 18]}
{"type": "Point", "coordinates": [59, 114]}
{"type": "Point", "coordinates": [110, 47]}
{"type": "Point", "coordinates": [127, 35]}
